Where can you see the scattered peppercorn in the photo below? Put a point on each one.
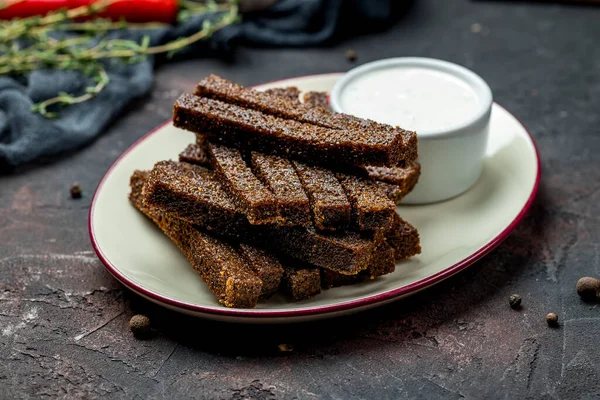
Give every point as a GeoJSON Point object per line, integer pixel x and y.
{"type": "Point", "coordinates": [75, 191]}
{"type": "Point", "coordinates": [140, 326]}
{"type": "Point", "coordinates": [552, 319]}
{"type": "Point", "coordinates": [588, 288]}
{"type": "Point", "coordinates": [476, 27]}
{"type": "Point", "coordinates": [515, 301]}
{"type": "Point", "coordinates": [284, 348]}
{"type": "Point", "coordinates": [351, 55]}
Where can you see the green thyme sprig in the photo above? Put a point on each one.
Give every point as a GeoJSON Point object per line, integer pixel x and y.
{"type": "Point", "coordinates": [28, 44]}
{"type": "Point", "coordinates": [101, 79]}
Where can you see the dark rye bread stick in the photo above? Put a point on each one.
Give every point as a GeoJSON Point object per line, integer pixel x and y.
{"type": "Point", "coordinates": [291, 93]}
{"type": "Point", "coordinates": [278, 174]}
{"type": "Point", "coordinates": [330, 208]}
{"type": "Point", "coordinates": [229, 92]}
{"type": "Point", "coordinates": [266, 133]}
{"type": "Point", "coordinates": [371, 208]}
{"type": "Point", "coordinates": [248, 193]}
{"type": "Point", "coordinates": [299, 281]}
{"type": "Point", "coordinates": [396, 182]}
{"type": "Point", "coordinates": [402, 242]}
{"type": "Point", "coordinates": [347, 253]}
{"type": "Point", "coordinates": [194, 194]}
{"type": "Point", "coordinates": [196, 153]}
{"type": "Point", "coordinates": [224, 271]}
{"type": "Point", "coordinates": [265, 265]}
{"type": "Point", "coordinates": [382, 263]}
{"type": "Point", "coordinates": [316, 99]}
{"type": "Point", "coordinates": [404, 238]}
{"type": "Point", "coordinates": [392, 192]}
{"type": "Point", "coordinates": [405, 177]}
{"type": "Point", "coordinates": [191, 196]}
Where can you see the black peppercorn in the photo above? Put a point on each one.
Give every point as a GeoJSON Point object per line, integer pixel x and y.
{"type": "Point", "coordinates": [284, 348]}
{"type": "Point", "coordinates": [140, 326]}
{"type": "Point", "coordinates": [75, 191]}
{"type": "Point", "coordinates": [588, 288]}
{"type": "Point", "coordinates": [351, 55]}
{"type": "Point", "coordinates": [515, 301]}
{"type": "Point", "coordinates": [552, 319]}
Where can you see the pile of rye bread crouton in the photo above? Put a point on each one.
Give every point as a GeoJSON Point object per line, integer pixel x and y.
{"type": "Point", "coordinates": [279, 194]}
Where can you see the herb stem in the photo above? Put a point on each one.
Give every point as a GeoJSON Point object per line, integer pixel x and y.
{"type": "Point", "coordinates": [65, 98]}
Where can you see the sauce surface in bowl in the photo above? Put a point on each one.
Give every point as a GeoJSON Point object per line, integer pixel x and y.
{"type": "Point", "coordinates": [414, 98]}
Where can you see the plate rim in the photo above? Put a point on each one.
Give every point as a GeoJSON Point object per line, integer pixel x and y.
{"type": "Point", "coordinates": [317, 310]}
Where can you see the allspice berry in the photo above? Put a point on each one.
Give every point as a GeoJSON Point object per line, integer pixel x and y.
{"type": "Point", "coordinates": [140, 326]}
{"type": "Point", "coordinates": [515, 301]}
{"type": "Point", "coordinates": [75, 191]}
{"type": "Point", "coordinates": [588, 288]}
{"type": "Point", "coordinates": [285, 348]}
{"type": "Point", "coordinates": [552, 319]}
{"type": "Point", "coordinates": [351, 55]}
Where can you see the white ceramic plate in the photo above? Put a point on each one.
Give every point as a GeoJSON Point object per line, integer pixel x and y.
{"type": "Point", "coordinates": [454, 233]}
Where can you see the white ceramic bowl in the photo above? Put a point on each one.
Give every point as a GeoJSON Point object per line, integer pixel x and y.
{"type": "Point", "coordinates": [452, 156]}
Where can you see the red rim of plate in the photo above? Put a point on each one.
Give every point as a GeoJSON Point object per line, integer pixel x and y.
{"type": "Point", "coordinates": [347, 305]}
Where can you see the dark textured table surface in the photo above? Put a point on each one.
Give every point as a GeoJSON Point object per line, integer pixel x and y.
{"type": "Point", "coordinates": [63, 318]}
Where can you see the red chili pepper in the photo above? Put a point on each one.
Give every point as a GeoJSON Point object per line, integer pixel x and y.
{"type": "Point", "coordinates": [130, 10]}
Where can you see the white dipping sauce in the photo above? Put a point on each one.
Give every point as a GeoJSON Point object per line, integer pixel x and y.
{"type": "Point", "coordinates": [419, 99]}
